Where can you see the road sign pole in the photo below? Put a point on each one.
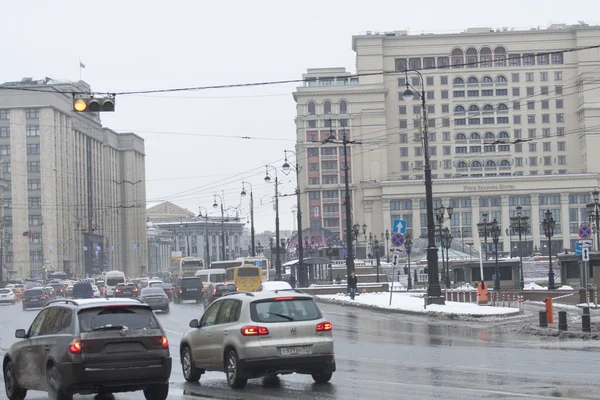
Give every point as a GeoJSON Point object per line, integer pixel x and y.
{"type": "Point", "coordinates": [393, 274]}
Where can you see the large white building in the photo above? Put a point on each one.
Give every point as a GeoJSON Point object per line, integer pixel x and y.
{"type": "Point", "coordinates": [76, 200]}
{"type": "Point", "coordinates": [513, 119]}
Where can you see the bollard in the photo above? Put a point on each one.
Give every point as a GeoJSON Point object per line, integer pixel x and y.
{"type": "Point", "coordinates": [586, 311]}
{"type": "Point", "coordinates": [461, 296]}
{"type": "Point", "coordinates": [543, 319]}
{"type": "Point", "coordinates": [503, 300]}
{"type": "Point", "coordinates": [585, 323]}
{"type": "Point", "coordinates": [549, 310]}
{"type": "Point", "coordinates": [562, 321]}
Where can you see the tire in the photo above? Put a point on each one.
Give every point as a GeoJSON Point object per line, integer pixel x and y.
{"type": "Point", "coordinates": [55, 389]}
{"type": "Point", "coordinates": [234, 379]}
{"type": "Point", "coordinates": [190, 372]}
{"type": "Point", "coordinates": [157, 392]}
{"type": "Point", "coordinates": [14, 391]}
{"type": "Point", "coordinates": [322, 377]}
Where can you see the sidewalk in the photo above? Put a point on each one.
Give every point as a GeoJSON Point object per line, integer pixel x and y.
{"type": "Point", "coordinates": [414, 303]}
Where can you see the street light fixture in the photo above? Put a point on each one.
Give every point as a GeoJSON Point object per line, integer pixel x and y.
{"type": "Point", "coordinates": [287, 168]}
{"type": "Point", "coordinates": [277, 248]}
{"type": "Point", "coordinates": [408, 247]}
{"type": "Point", "coordinates": [446, 240]}
{"type": "Point", "coordinates": [484, 232]}
{"type": "Point", "coordinates": [440, 219]}
{"type": "Point", "coordinates": [549, 224]}
{"type": "Point", "coordinates": [215, 205]}
{"type": "Point", "coordinates": [495, 232]}
{"type": "Point", "coordinates": [243, 194]}
{"type": "Point", "coordinates": [594, 215]}
{"type": "Point", "coordinates": [387, 244]}
{"type": "Point", "coordinates": [375, 247]}
{"type": "Point", "coordinates": [519, 224]}
{"type": "Point", "coordinates": [206, 242]}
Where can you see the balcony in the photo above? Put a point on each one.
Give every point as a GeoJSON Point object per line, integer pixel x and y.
{"type": "Point", "coordinates": [329, 157]}
{"type": "Point", "coordinates": [331, 200]}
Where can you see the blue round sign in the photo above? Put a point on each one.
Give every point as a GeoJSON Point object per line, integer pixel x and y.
{"type": "Point", "coordinates": [585, 231]}
{"type": "Point", "coordinates": [397, 239]}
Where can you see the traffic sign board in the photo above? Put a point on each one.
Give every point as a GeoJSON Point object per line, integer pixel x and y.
{"type": "Point", "coordinates": [585, 243]}
{"type": "Point", "coordinates": [397, 239]}
{"type": "Point", "coordinates": [585, 254]}
{"type": "Point", "coordinates": [396, 250]}
{"type": "Point", "coordinates": [577, 248]}
{"type": "Point", "coordinates": [258, 263]}
{"type": "Point", "coordinates": [585, 231]}
{"type": "Point", "coordinates": [399, 226]}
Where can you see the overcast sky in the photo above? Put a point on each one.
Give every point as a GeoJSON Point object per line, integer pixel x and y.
{"type": "Point", "coordinates": [190, 146]}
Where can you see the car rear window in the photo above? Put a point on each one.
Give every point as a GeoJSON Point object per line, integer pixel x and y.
{"type": "Point", "coordinates": [191, 283]}
{"type": "Point", "coordinates": [152, 292]}
{"type": "Point", "coordinates": [292, 309]}
{"type": "Point", "coordinates": [5, 291]}
{"type": "Point", "coordinates": [82, 288]}
{"type": "Point", "coordinates": [128, 317]}
{"type": "Point", "coordinates": [249, 272]}
{"type": "Point", "coordinates": [226, 288]}
{"type": "Point", "coordinates": [33, 292]}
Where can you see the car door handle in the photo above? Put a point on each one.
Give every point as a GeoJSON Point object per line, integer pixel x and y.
{"type": "Point", "coordinates": [47, 348]}
{"type": "Point", "coordinates": [208, 335]}
{"type": "Point", "coordinates": [225, 333]}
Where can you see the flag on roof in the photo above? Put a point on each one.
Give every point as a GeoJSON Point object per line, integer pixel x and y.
{"type": "Point", "coordinates": [81, 65]}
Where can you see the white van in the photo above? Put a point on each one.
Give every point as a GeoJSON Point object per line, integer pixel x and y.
{"type": "Point", "coordinates": [112, 279]}
{"type": "Point", "coordinates": [208, 276]}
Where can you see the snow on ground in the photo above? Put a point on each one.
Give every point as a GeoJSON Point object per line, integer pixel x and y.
{"type": "Point", "coordinates": [565, 287]}
{"type": "Point", "coordinates": [413, 303]}
{"type": "Point", "coordinates": [533, 286]}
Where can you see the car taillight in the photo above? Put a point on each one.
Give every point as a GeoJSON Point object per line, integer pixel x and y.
{"type": "Point", "coordinates": [215, 290]}
{"type": "Point", "coordinates": [253, 330]}
{"type": "Point", "coordinates": [284, 298]}
{"type": "Point", "coordinates": [135, 290]}
{"type": "Point", "coordinates": [324, 326]}
{"type": "Point", "coordinates": [180, 291]}
{"type": "Point", "coordinates": [161, 340]}
{"type": "Point", "coordinates": [24, 298]}
{"type": "Point", "coordinates": [76, 346]}
{"type": "Point", "coordinates": [43, 297]}
{"type": "Point", "coordinates": [118, 291]}
{"type": "Point", "coordinates": [169, 291]}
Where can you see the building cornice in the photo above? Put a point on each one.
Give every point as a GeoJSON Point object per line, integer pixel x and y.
{"type": "Point", "coordinates": [335, 91]}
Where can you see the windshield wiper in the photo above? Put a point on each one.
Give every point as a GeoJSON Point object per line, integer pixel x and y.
{"type": "Point", "coordinates": [282, 316]}
{"type": "Point", "coordinates": [109, 328]}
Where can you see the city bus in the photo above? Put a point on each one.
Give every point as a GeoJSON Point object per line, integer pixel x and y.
{"type": "Point", "coordinates": [246, 278]}
{"type": "Point", "coordinates": [186, 266]}
{"type": "Point", "coordinates": [245, 261]}
{"type": "Point", "coordinates": [213, 275]}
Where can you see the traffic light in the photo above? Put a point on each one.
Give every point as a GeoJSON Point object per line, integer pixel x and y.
{"type": "Point", "coordinates": [89, 103]}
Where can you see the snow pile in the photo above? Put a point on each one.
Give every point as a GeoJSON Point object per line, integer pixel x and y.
{"type": "Point", "coordinates": [534, 286]}
{"type": "Point", "coordinates": [565, 287]}
{"type": "Point", "coordinates": [466, 287]}
{"type": "Point", "coordinates": [413, 303]}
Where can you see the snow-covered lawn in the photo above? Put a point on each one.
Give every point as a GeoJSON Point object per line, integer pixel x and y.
{"type": "Point", "coordinates": [413, 303]}
{"type": "Point", "coordinates": [535, 286]}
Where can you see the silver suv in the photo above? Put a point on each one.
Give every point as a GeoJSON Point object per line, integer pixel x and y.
{"type": "Point", "coordinates": [249, 335]}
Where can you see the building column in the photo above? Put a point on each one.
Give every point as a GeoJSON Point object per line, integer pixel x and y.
{"type": "Point", "coordinates": [416, 219]}
{"type": "Point", "coordinates": [564, 220]}
{"type": "Point", "coordinates": [387, 215]}
{"type": "Point", "coordinates": [505, 223]}
{"type": "Point", "coordinates": [535, 220]}
{"type": "Point", "coordinates": [368, 206]}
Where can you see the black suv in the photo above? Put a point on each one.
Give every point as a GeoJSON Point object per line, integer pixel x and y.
{"type": "Point", "coordinates": [190, 288]}
{"type": "Point", "coordinates": [217, 290]}
{"type": "Point", "coordinates": [90, 346]}
{"type": "Point", "coordinates": [126, 290]}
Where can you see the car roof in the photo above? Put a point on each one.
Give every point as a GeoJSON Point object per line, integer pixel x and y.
{"type": "Point", "coordinates": [98, 302]}
{"type": "Point", "coordinates": [252, 296]}
{"type": "Point", "coordinates": [82, 283]}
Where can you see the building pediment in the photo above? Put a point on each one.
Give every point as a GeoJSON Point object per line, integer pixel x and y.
{"type": "Point", "coordinates": [168, 211]}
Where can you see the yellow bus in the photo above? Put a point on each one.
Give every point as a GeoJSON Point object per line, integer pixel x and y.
{"type": "Point", "coordinates": [246, 278]}
{"type": "Point", "coordinates": [261, 262]}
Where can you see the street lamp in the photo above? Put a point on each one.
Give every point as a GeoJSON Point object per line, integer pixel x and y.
{"type": "Point", "coordinates": [434, 292]}
{"type": "Point", "coordinates": [243, 194]}
{"type": "Point", "coordinates": [387, 244]}
{"type": "Point", "coordinates": [375, 247]}
{"type": "Point", "coordinates": [287, 168]}
{"type": "Point", "coordinates": [594, 215]}
{"type": "Point", "coordinates": [187, 238]}
{"type": "Point", "coordinates": [484, 232]}
{"type": "Point", "coordinates": [215, 205]}
{"type": "Point", "coordinates": [277, 249]}
{"type": "Point", "coordinates": [408, 246]}
{"type": "Point", "coordinates": [348, 208]}
{"type": "Point", "coordinates": [441, 218]}
{"type": "Point", "coordinates": [495, 232]}
{"type": "Point", "coordinates": [206, 244]}
{"type": "Point", "coordinates": [461, 234]}
{"type": "Point", "coordinates": [519, 224]}
{"type": "Point", "coordinates": [549, 225]}
{"type": "Point", "coordinates": [446, 240]}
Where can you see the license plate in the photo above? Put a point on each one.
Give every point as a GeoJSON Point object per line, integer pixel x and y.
{"type": "Point", "coordinates": [294, 351]}
{"type": "Point", "coordinates": [192, 290]}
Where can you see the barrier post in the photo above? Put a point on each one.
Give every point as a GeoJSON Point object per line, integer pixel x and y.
{"type": "Point", "coordinates": [503, 299]}
{"type": "Point", "coordinates": [562, 321]}
{"type": "Point", "coordinates": [543, 319]}
{"type": "Point", "coordinates": [549, 309]}
{"type": "Point", "coordinates": [585, 323]}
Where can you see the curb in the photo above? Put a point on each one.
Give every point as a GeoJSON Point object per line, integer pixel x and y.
{"type": "Point", "coordinates": [433, 314]}
{"type": "Point", "coordinates": [553, 332]}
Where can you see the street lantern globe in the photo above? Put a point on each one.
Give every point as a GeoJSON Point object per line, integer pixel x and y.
{"type": "Point", "coordinates": [408, 244]}
{"type": "Point", "coordinates": [330, 138]}
{"type": "Point", "coordinates": [267, 179]}
{"type": "Point", "coordinates": [387, 234]}
{"type": "Point", "coordinates": [408, 95]}
{"type": "Point", "coordinates": [286, 167]}
{"type": "Point", "coordinates": [243, 194]}
{"type": "Point", "coordinates": [364, 228]}
{"type": "Point", "coordinates": [450, 210]}
{"type": "Point", "coordinates": [591, 208]}
{"type": "Point", "coordinates": [215, 205]}
{"type": "Point", "coordinates": [596, 195]}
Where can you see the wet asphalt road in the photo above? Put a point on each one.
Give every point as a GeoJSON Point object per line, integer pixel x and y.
{"type": "Point", "coordinates": [392, 356]}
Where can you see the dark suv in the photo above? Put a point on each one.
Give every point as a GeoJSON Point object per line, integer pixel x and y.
{"type": "Point", "coordinates": [90, 346]}
{"type": "Point", "coordinates": [217, 290]}
{"type": "Point", "coordinates": [190, 288]}
{"type": "Point", "coordinates": [34, 298]}
{"type": "Point", "coordinates": [126, 290]}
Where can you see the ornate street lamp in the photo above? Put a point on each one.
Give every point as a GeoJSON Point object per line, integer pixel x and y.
{"type": "Point", "coordinates": [446, 244]}
{"type": "Point", "coordinates": [387, 243]}
{"type": "Point", "coordinates": [594, 215]}
{"type": "Point", "coordinates": [549, 224]}
{"type": "Point", "coordinates": [495, 232]}
{"type": "Point", "coordinates": [441, 218]}
{"type": "Point", "coordinates": [519, 225]}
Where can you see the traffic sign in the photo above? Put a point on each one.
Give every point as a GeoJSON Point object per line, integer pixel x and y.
{"type": "Point", "coordinates": [258, 263]}
{"type": "Point", "coordinates": [399, 226]}
{"type": "Point", "coordinates": [585, 231]}
{"type": "Point", "coordinates": [585, 243]}
{"type": "Point", "coordinates": [585, 254]}
{"type": "Point", "coordinates": [577, 248]}
{"type": "Point", "coordinates": [397, 239]}
{"type": "Point", "coordinates": [396, 250]}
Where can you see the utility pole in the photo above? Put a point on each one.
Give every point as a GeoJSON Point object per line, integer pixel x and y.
{"type": "Point", "coordinates": [215, 205]}
{"type": "Point", "coordinates": [252, 248]}
{"type": "Point", "coordinates": [302, 276]}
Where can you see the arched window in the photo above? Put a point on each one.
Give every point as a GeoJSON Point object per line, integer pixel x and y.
{"type": "Point", "coordinates": [475, 136]}
{"type": "Point", "coordinates": [472, 57]}
{"type": "Point", "coordinates": [326, 107]}
{"type": "Point", "coordinates": [459, 110]}
{"type": "Point", "coordinates": [343, 107]}
{"type": "Point", "coordinates": [485, 57]}
{"type": "Point", "coordinates": [500, 56]}
{"type": "Point", "coordinates": [501, 79]}
{"type": "Point", "coordinates": [460, 136]}
{"type": "Point", "coordinates": [476, 164]}
{"type": "Point", "coordinates": [461, 164]}
{"type": "Point", "coordinates": [503, 135]}
{"type": "Point", "coordinates": [505, 163]}
{"type": "Point", "coordinates": [487, 79]}
{"type": "Point", "coordinates": [473, 80]}
{"type": "Point", "coordinates": [488, 108]}
{"type": "Point", "coordinates": [473, 108]}
{"type": "Point", "coordinates": [458, 81]}
{"type": "Point", "coordinates": [490, 163]}
{"type": "Point", "coordinates": [312, 108]}
{"type": "Point", "coordinates": [489, 135]}
{"type": "Point", "coordinates": [457, 58]}
{"type": "Point", "coordinates": [502, 107]}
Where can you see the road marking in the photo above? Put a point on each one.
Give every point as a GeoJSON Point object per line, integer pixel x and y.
{"type": "Point", "coordinates": [174, 332]}
{"type": "Point", "coordinates": [472, 390]}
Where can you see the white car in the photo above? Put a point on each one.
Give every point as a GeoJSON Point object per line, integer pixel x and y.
{"type": "Point", "coordinates": [7, 296]}
{"type": "Point", "coordinates": [96, 291]}
{"type": "Point", "coordinates": [271, 286]}
{"type": "Point", "coordinates": [155, 283]}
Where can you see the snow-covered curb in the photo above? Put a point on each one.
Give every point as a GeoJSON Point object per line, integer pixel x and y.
{"type": "Point", "coordinates": [552, 332]}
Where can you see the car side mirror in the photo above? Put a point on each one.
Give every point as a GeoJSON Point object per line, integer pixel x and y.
{"type": "Point", "coordinates": [194, 323]}
{"type": "Point", "coordinates": [20, 334]}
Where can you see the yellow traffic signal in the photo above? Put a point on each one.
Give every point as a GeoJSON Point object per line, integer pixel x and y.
{"type": "Point", "coordinates": [89, 103]}
{"type": "Point", "coordinates": [80, 105]}
{"type": "Point", "coordinates": [43, 267]}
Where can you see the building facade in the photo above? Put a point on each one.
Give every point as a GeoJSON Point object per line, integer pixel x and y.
{"type": "Point", "coordinates": [512, 120]}
{"type": "Point", "coordinates": [67, 206]}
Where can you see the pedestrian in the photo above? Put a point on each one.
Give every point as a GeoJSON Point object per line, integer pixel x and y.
{"type": "Point", "coordinates": [352, 283]}
{"type": "Point", "coordinates": [292, 281]}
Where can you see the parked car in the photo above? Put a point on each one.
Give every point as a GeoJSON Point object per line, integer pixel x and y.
{"type": "Point", "coordinates": [35, 298]}
{"type": "Point", "coordinates": [83, 290]}
{"type": "Point", "coordinates": [217, 290]}
{"type": "Point", "coordinates": [91, 346]}
{"type": "Point", "coordinates": [249, 335]}
{"type": "Point", "coordinates": [156, 298]}
{"type": "Point", "coordinates": [272, 286]}
{"type": "Point", "coordinates": [126, 290]}
{"type": "Point", "coordinates": [7, 296]}
{"type": "Point", "coordinates": [169, 290]}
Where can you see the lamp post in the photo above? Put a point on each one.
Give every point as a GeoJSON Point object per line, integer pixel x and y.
{"type": "Point", "coordinates": [519, 224]}
{"type": "Point", "coordinates": [434, 291]}
{"type": "Point", "coordinates": [277, 248]}
{"type": "Point", "coordinates": [356, 229]}
{"type": "Point", "coordinates": [446, 244]}
{"type": "Point", "coordinates": [549, 224]}
{"type": "Point", "coordinates": [594, 215]}
{"type": "Point", "coordinates": [387, 245]}
{"type": "Point", "coordinates": [243, 194]}
{"type": "Point", "coordinates": [441, 218]}
{"type": "Point", "coordinates": [484, 232]}
{"type": "Point", "coordinates": [286, 168]}
{"type": "Point", "coordinates": [215, 205]}
{"type": "Point", "coordinates": [408, 246]}
{"type": "Point", "coordinates": [187, 238]}
{"type": "Point", "coordinates": [495, 232]}
{"type": "Point", "coordinates": [206, 241]}
{"type": "Point", "coordinates": [375, 247]}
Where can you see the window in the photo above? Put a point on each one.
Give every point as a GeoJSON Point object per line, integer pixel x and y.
{"type": "Point", "coordinates": [313, 152]}
{"type": "Point", "coordinates": [33, 166]}
{"type": "Point", "coordinates": [312, 123]}
{"type": "Point", "coordinates": [4, 114]}
{"type": "Point", "coordinates": [402, 109]}
{"type": "Point", "coordinates": [561, 146]}
{"type": "Point", "coordinates": [558, 75]}
{"type": "Point", "coordinates": [403, 151]}
{"type": "Point", "coordinates": [560, 131]}
{"type": "Point", "coordinates": [314, 195]}
{"type": "Point", "coordinates": [529, 76]}
{"type": "Point", "coordinates": [516, 119]}
{"type": "Point", "coordinates": [516, 91]}
{"type": "Point", "coordinates": [5, 150]}
{"type": "Point", "coordinates": [532, 147]}
{"type": "Point", "coordinates": [515, 77]}
{"type": "Point", "coordinates": [326, 107]}
{"type": "Point", "coordinates": [6, 168]}
{"type": "Point", "coordinates": [545, 104]}
{"type": "Point", "coordinates": [530, 91]}
{"type": "Point", "coordinates": [558, 89]}
{"type": "Point", "coordinates": [33, 148]}
{"type": "Point", "coordinates": [312, 108]}
{"type": "Point", "coordinates": [546, 132]}
{"type": "Point", "coordinates": [32, 113]}
{"type": "Point", "coordinates": [313, 181]}
{"type": "Point", "coordinates": [546, 118]}
{"type": "Point", "coordinates": [404, 138]}
{"type": "Point", "coordinates": [417, 109]}
{"type": "Point", "coordinates": [430, 95]}
{"type": "Point", "coordinates": [560, 118]}
{"type": "Point", "coordinates": [447, 150]}
{"type": "Point", "coordinates": [446, 136]}
{"type": "Point", "coordinates": [490, 92]}
{"type": "Point", "coordinates": [516, 105]}
{"type": "Point", "coordinates": [4, 132]}
{"type": "Point", "coordinates": [547, 146]}
{"type": "Point", "coordinates": [400, 64]}
{"type": "Point", "coordinates": [458, 93]}
{"type": "Point", "coordinates": [404, 166]}
{"type": "Point", "coordinates": [562, 160]}
{"type": "Point", "coordinates": [444, 94]}
{"type": "Point", "coordinates": [330, 179]}
{"type": "Point", "coordinates": [518, 148]}
{"type": "Point", "coordinates": [531, 105]}
{"type": "Point", "coordinates": [33, 130]}
{"type": "Point", "coordinates": [34, 184]}
{"type": "Point", "coordinates": [403, 123]}
{"type": "Point", "coordinates": [418, 151]}
{"type": "Point", "coordinates": [35, 220]}
{"type": "Point", "coordinates": [544, 90]}
{"type": "Point", "coordinates": [343, 107]}
{"type": "Point", "coordinates": [557, 58]}
{"type": "Point", "coordinates": [543, 76]}
{"type": "Point", "coordinates": [429, 80]}
{"type": "Point", "coordinates": [559, 103]}
{"type": "Point", "coordinates": [472, 93]}
{"type": "Point", "coordinates": [531, 132]}
{"type": "Point", "coordinates": [431, 109]}
{"type": "Point", "coordinates": [533, 161]}
{"type": "Point", "coordinates": [531, 119]}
